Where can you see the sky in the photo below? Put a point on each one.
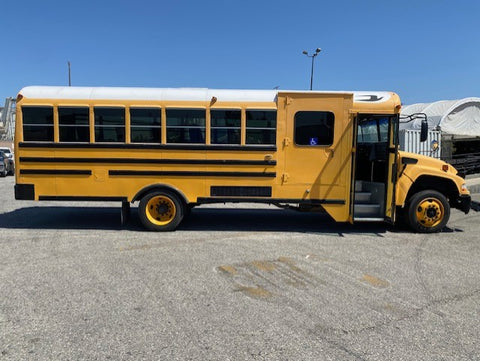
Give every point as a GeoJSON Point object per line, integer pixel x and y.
{"type": "Point", "coordinates": [423, 50]}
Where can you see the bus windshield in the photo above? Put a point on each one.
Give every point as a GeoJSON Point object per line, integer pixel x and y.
{"type": "Point", "coordinates": [373, 130]}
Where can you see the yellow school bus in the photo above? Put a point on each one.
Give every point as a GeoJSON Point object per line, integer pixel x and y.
{"type": "Point", "coordinates": [173, 149]}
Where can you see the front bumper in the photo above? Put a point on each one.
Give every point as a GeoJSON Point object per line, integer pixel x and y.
{"type": "Point", "coordinates": [463, 203]}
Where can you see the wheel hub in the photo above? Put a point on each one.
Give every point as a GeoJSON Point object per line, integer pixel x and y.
{"type": "Point", "coordinates": [430, 212]}
{"type": "Point", "coordinates": [160, 210]}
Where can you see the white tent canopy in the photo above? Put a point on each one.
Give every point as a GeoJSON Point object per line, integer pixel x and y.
{"type": "Point", "coordinates": [458, 117]}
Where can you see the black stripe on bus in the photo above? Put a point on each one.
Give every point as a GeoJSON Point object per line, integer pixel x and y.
{"type": "Point", "coordinates": [55, 172]}
{"type": "Point", "coordinates": [81, 198]}
{"type": "Point", "coordinates": [205, 200]}
{"type": "Point", "coordinates": [240, 191]}
{"type": "Point", "coordinates": [140, 173]}
{"type": "Point", "coordinates": [270, 200]}
{"type": "Point", "coordinates": [246, 148]}
{"type": "Point", "coordinates": [146, 161]}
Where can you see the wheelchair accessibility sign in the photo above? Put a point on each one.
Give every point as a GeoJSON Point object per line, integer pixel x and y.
{"type": "Point", "coordinates": [314, 141]}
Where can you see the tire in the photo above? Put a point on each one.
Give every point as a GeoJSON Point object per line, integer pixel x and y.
{"type": "Point", "coordinates": [161, 211]}
{"type": "Point", "coordinates": [428, 212]}
{"type": "Point", "coordinates": [3, 173]}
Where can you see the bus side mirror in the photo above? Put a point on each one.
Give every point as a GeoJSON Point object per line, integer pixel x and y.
{"type": "Point", "coordinates": [424, 130]}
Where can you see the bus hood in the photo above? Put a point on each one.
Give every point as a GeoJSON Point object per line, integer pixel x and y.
{"type": "Point", "coordinates": [427, 162]}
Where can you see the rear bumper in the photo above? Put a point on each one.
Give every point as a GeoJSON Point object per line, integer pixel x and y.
{"type": "Point", "coordinates": [25, 192]}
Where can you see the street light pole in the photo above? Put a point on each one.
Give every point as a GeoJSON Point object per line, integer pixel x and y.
{"type": "Point", "coordinates": [69, 75]}
{"type": "Point", "coordinates": [317, 51]}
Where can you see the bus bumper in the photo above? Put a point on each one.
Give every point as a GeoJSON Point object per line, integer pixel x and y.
{"type": "Point", "coordinates": [475, 206]}
{"type": "Point", "coordinates": [463, 203]}
{"type": "Point", "coordinates": [25, 192]}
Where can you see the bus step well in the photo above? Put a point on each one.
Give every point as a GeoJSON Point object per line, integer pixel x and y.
{"type": "Point", "coordinates": [368, 201]}
{"type": "Point", "coordinates": [362, 197]}
{"type": "Point", "coordinates": [366, 210]}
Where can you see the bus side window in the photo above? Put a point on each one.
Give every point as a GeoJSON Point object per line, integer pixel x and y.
{"type": "Point", "coordinates": [186, 126]}
{"type": "Point", "coordinates": [314, 128]}
{"type": "Point", "coordinates": [225, 126]}
{"type": "Point", "coordinates": [145, 125]}
{"type": "Point", "coordinates": [74, 124]}
{"type": "Point", "coordinates": [109, 124]}
{"type": "Point", "coordinates": [37, 123]}
{"type": "Point", "coordinates": [261, 127]}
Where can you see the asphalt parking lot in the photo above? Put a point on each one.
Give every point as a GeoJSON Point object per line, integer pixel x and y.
{"type": "Point", "coordinates": [242, 284]}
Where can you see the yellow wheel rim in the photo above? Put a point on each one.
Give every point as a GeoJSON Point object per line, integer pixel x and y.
{"type": "Point", "coordinates": [160, 210]}
{"type": "Point", "coordinates": [430, 212]}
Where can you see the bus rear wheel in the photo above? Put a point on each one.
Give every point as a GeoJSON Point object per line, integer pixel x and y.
{"type": "Point", "coordinates": [161, 211]}
{"type": "Point", "coordinates": [428, 211]}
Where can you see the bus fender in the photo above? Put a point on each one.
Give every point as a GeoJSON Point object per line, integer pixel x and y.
{"type": "Point", "coordinates": [403, 186]}
{"type": "Point", "coordinates": [154, 187]}
{"type": "Point", "coordinates": [444, 185]}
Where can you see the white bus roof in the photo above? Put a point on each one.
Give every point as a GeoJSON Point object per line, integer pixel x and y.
{"type": "Point", "coordinates": [178, 94]}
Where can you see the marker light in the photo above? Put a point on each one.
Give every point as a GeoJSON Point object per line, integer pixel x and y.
{"type": "Point", "coordinates": [445, 167]}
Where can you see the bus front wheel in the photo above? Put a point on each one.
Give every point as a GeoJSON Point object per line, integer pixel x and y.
{"type": "Point", "coordinates": [161, 211]}
{"type": "Point", "coordinates": [428, 211]}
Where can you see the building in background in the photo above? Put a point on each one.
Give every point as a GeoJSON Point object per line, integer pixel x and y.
{"type": "Point", "coordinates": [7, 120]}
{"type": "Point", "coordinates": [454, 132]}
